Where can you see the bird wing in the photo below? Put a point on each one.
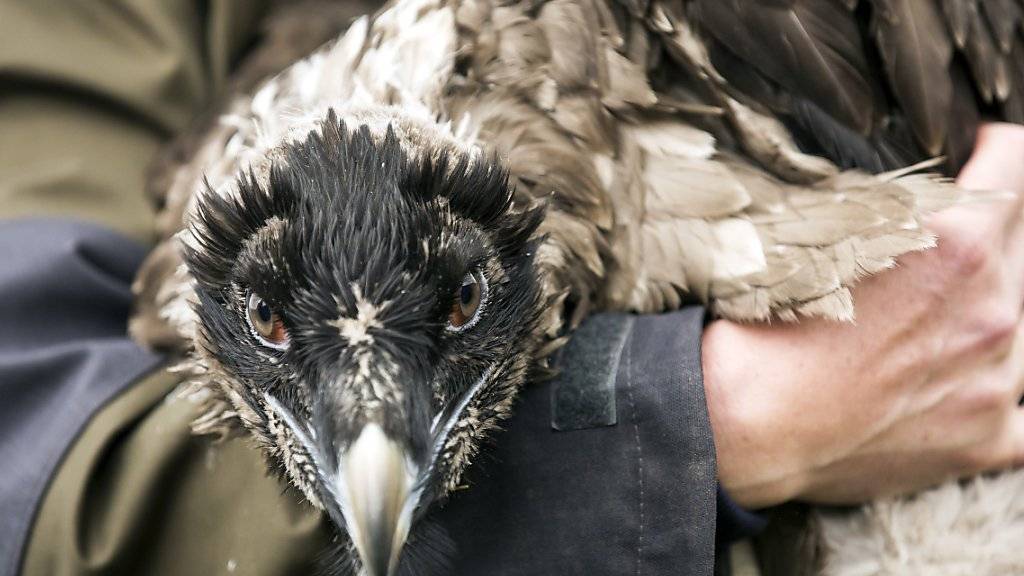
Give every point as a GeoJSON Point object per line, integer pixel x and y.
{"type": "Point", "coordinates": [670, 165]}
{"type": "Point", "coordinates": [662, 185]}
{"type": "Point", "coordinates": [817, 229]}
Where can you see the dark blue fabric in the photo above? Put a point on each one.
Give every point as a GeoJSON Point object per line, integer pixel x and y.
{"type": "Point", "coordinates": [734, 521]}
{"type": "Point", "coordinates": [64, 300]}
{"type": "Point", "coordinates": [634, 498]}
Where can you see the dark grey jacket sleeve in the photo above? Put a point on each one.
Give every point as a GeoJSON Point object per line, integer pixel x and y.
{"type": "Point", "coordinates": [607, 470]}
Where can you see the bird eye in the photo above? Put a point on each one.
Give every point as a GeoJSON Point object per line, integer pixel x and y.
{"type": "Point", "coordinates": [467, 302]}
{"type": "Point", "coordinates": [266, 325]}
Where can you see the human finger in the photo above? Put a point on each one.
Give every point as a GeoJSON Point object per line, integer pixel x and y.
{"type": "Point", "coordinates": [997, 162]}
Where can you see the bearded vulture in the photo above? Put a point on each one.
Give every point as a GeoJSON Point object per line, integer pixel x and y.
{"type": "Point", "coordinates": [440, 194]}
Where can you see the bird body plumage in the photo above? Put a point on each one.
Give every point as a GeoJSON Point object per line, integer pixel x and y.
{"type": "Point", "coordinates": [676, 151]}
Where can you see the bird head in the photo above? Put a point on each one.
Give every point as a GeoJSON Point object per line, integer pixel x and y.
{"type": "Point", "coordinates": [369, 308]}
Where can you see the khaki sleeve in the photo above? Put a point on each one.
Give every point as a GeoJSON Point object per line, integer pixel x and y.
{"type": "Point", "coordinates": [138, 494]}
{"type": "Point", "coordinates": [90, 89]}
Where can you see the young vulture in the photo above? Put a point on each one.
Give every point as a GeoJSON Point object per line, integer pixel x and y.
{"type": "Point", "coordinates": [380, 245]}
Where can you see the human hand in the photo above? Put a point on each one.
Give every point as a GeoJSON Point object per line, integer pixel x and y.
{"type": "Point", "coordinates": [923, 387]}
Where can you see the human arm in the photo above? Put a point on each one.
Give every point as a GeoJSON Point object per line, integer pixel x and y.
{"type": "Point", "coordinates": [922, 387]}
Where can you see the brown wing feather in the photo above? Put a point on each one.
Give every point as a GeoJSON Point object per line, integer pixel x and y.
{"type": "Point", "coordinates": [1014, 107]}
{"type": "Point", "coordinates": [916, 51]}
{"type": "Point", "coordinates": [985, 32]}
{"type": "Point", "coordinates": [958, 18]}
{"type": "Point", "coordinates": [1004, 19]}
{"type": "Point", "coordinates": [825, 52]}
{"type": "Point", "coordinates": [813, 48]}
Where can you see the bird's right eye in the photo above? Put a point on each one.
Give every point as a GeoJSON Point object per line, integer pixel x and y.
{"type": "Point", "coordinates": [266, 324]}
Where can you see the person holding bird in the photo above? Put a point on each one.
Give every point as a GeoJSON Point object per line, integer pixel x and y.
{"type": "Point", "coordinates": [370, 293]}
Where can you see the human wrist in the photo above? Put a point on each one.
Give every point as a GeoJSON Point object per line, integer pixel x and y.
{"type": "Point", "coordinates": [758, 457]}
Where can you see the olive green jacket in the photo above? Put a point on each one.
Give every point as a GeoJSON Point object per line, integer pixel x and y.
{"type": "Point", "coordinates": [89, 91]}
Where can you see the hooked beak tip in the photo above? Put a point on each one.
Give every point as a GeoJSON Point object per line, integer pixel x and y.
{"type": "Point", "coordinates": [376, 483]}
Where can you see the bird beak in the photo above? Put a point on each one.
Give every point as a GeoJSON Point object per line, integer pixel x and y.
{"type": "Point", "coordinates": [377, 485]}
{"type": "Point", "coordinates": [374, 485]}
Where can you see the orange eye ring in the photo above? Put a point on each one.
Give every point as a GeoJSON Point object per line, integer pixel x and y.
{"type": "Point", "coordinates": [467, 302]}
{"type": "Point", "coordinates": [266, 324]}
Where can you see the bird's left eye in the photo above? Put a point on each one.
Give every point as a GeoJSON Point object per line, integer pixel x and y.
{"type": "Point", "coordinates": [266, 324]}
{"type": "Point", "coordinates": [467, 302]}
